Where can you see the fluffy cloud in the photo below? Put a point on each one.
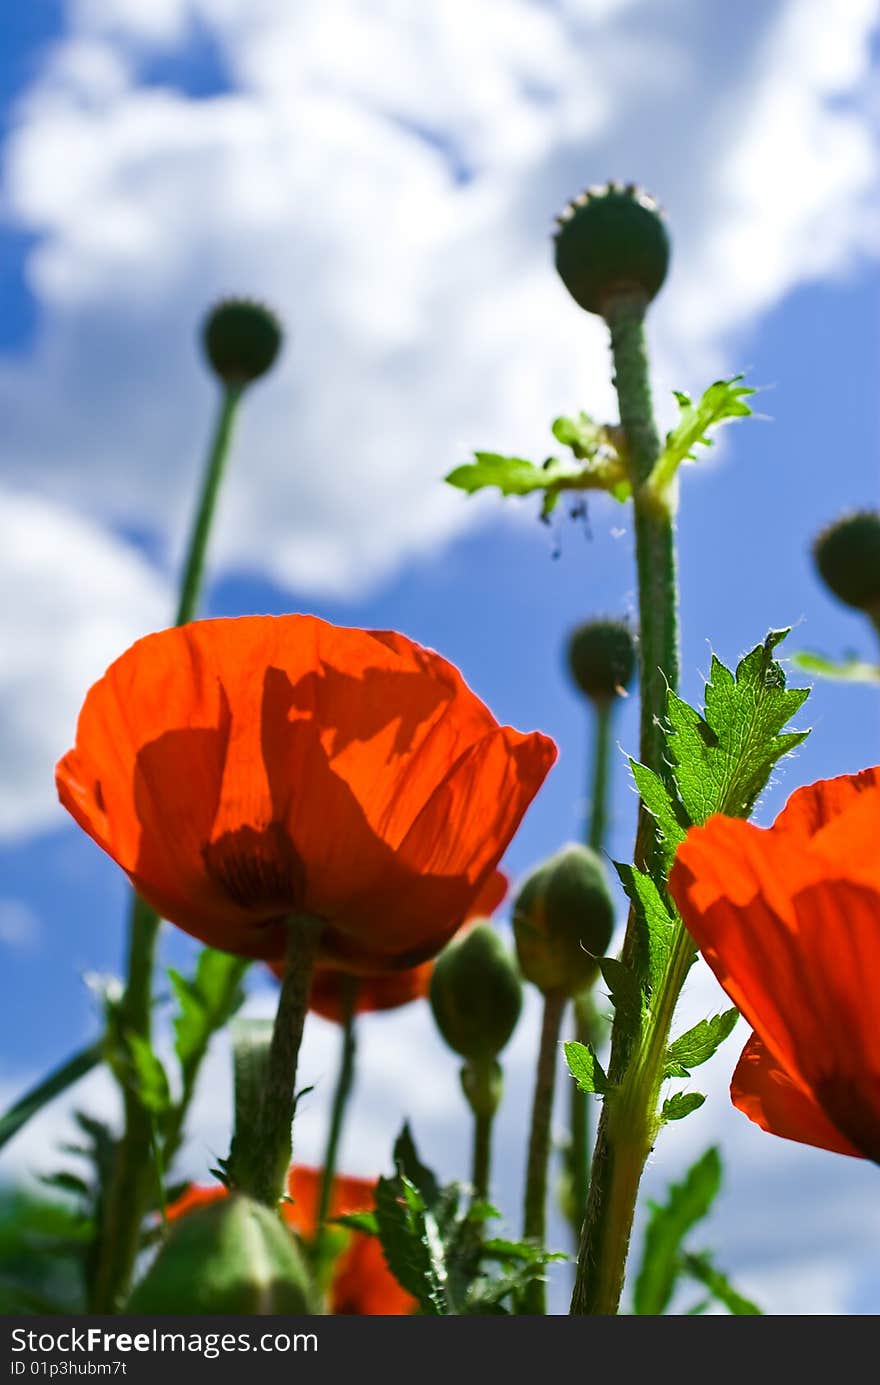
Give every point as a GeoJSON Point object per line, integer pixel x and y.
{"type": "Point", "coordinates": [79, 598]}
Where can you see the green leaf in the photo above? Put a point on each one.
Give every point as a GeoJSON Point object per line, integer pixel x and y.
{"type": "Point", "coordinates": [658, 800]}
{"type": "Point", "coordinates": [697, 1046]}
{"type": "Point", "coordinates": [408, 1163]}
{"type": "Point", "coordinates": [583, 435]}
{"type": "Point", "coordinates": [851, 670]}
{"type": "Point", "coordinates": [51, 1086]}
{"type": "Point", "coordinates": [512, 475]}
{"type": "Point", "coordinates": [657, 923]}
{"type": "Point", "coordinates": [148, 1075]}
{"type": "Point", "coordinates": [686, 1204]}
{"type": "Point", "coordinates": [67, 1183]}
{"type": "Point", "coordinates": [722, 401]}
{"type": "Point", "coordinates": [207, 1001]}
{"type": "Point", "coordinates": [623, 985]}
{"type": "Point", "coordinates": [675, 1108]}
{"type": "Point", "coordinates": [359, 1221]}
{"type": "Point", "coordinates": [701, 1268]}
{"type": "Point", "coordinates": [724, 758]}
{"type": "Point", "coordinates": [411, 1243]}
{"type": "Point", "coordinates": [585, 1067]}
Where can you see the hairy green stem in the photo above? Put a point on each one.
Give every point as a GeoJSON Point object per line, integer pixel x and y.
{"type": "Point", "coordinates": [341, 1094]}
{"type": "Point", "coordinates": [194, 569]}
{"type": "Point", "coordinates": [266, 1150]}
{"type": "Point", "coordinates": [627, 1127]}
{"type": "Point", "coordinates": [535, 1210]}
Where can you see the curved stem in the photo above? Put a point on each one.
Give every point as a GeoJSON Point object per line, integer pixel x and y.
{"type": "Point", "coordinates": [628, 1123]}
{"type": "Point", "coordinates": [215, 466]}
{"type": "Point", "coordinates": [598, 815]}
{"type": "Point", "coordinates": [344, 1084]}
{"type": "Point", "coordinates": [265, 1156]}
{"type": "Point", "coordinates": [535, 1211]}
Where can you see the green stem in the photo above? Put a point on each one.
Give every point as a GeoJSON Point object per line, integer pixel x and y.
{"type": "Point", "coordinates": [344, 1085]}
{"type": "Point", "coordinates": [628, 1124]}
{"type": "Point", "coordinates": [598, 816]}
{"type": "Point", "coordinates": [194, 570]}
{"type": "Point", "coordinates": [132, 1180]}
{"type": "Point", "coordinates": [586, 1031]}
{"type": "Point", "coordinates": [482, 1155]}
{"type": "Point", "coordinates": [535, 1212]}
{"type": "Point", "coordinates": [262, 1171]}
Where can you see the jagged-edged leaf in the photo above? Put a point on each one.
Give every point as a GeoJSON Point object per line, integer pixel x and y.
{"type": "Point", "coordinates": [359, 1221]}
{"type": "Point", "coordinates": [722, 401]}
{"type": "Point", "coordinates": [671, 824]}
{"type": "Point", "coordinates": [206, 1001]}
{"type": "Point", "coordinates": [148, 1075]}
{"type": "Point", "coordinates": [657, 923]}
{"type": "Point", "coordinates": [698, 1044]}
{"type": "Point", "coordinates": [704, 1271]}
{"type": "Point", "coordinates": [723, 759]}
{"type": "Point", "coordinates": [675, 1108]}
{"type": "Point", "coordinates": [410, 1165]}
{"type": "Point", "coordinates": [585, 1067]}
{"type": "Point", "coordinates": [411, 1243]}
{"type": "Point", "coordinates": [623, 985]}
{"type": "Point", "coordinates": [686, 1204]}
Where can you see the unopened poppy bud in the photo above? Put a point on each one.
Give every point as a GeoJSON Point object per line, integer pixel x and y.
{"type": "Point", "coordinates": [563, 918]}
{"type": "Point", "coordinates": [476, 994]}
{"type": "Point", "coordinates": [241, 340]}
{"type": "Point", "coordinates": [847, 556]}
{"type": "Point", "coordinates": [602, 659]}
{"type": "Point", "coordinates": [230, 1256]}
{"type": "Point", "coordinates": [611, 240]}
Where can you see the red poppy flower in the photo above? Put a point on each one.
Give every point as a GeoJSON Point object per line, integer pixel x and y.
{"type": "Point", "coordinates": [362, 1282]}
{"type": "Point", "coordinates": [330, 994]}
{"type": "Point", "coordinates": [788, 918]}
{"type": "Point", "coordinates": [243, 770]}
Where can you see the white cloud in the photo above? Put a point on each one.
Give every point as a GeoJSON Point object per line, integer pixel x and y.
{"type": "Point", "coordinates": [19, 926]}
{"type": "Point", "coordinates": [77, 597]}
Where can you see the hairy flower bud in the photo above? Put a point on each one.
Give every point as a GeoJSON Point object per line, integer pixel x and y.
{"type": "Point", "coordinates": [611, 240]}
{"type": "Point", "coordinates": [602, 658]}
{"type": "Point", "coordinates": [563, 918]}
{"type": "Point", "coordinates": [241, 340]}
{"type": "Point", "coordinates": [476, 994]}
{"type": "Point", "coordinates": [230, 1256]}
{"type": "Point", "coordinates": [847, 555]}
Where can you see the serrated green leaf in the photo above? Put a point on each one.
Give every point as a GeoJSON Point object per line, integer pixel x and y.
{"type": "Point", "coordinates": [411, 1243]}
{"type": "Point", "coordinates": [698, 1044]}
{"type": "Point", "coordinates": [582, 434]}
{"type": "Point", "coordinates": [512, 475]}
{"type": "Point", "coordinates": [704, 1271]}
{"type": "Point", "coordinates": [623, 985]}
{"type": "Point", "coordinates": [359, 1221]}
{"type": "Point", "coordinates": [656, 921]}
{"type": "Point", "coordinates": [206, 1001]}
{"type": "Point", "coordinates": [723, 759]}
{"type": "Point", "coordinates": [675, 1108]}
{"type": "Point", "coordinates": [658, 800]}
{"type": "Point", "coordinates": [148, 1075]}
{"type": "Point", "coordinates": [722, 401]}
{"type": "Point", "coordinates": [409, 1164]}
{"type": "Point", "coordinates": [686, 1204]}
{"type": "Point", "coordinates": [585, 1067]}
{"type": "Point", "coordinates": [850, 670]}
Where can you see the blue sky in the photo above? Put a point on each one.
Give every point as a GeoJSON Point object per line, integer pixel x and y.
{"type": "Point", "coordinates": [145, 175]}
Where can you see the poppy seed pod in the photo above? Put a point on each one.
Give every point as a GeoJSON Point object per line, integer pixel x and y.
{"type": "Point", "coordinates": [609, 240]}
{"type": "Point", "coordinates": [563, 919]}
{"type": "Point", "coordinates": [602, 659]}
{"type": "Point", "coordinates": [847, 555]}
{"type": "Point", "coordinates": [476, 994]}
{"type": "Point", "coordinates": [241, 340]}
{"type": "Point", "coordinates": [230, 1256]}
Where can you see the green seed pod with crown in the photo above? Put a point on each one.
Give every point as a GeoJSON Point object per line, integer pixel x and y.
{"type": "Point", "coordinates": [476, 994]}
{"type": "Point", "coordinates": [229, 1256]}
{"type": "Point", "coordinates": [611, 240]}
{"type": "Point", "coordinates": [602, 659]}
{"type": "Point", "coordinates": [563, 919]}
{"type": "Point", "coordinates": [847, 556]}
{"type": "Point", "coordinates": [241, 340]}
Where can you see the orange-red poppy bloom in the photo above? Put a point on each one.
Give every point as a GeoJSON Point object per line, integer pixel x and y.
{"type": "Point", "coordinates": [788, 918]}
{"type": "Point", "coordinates": [244, 770]}
{"type": "Point", "coordinates": [333, 991]}
{"type": "Point", "coordinates": [362, 1282]}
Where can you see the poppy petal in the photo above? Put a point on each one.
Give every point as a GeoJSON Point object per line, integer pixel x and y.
{"type": "Point", "coordinates": [767, 1093]}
